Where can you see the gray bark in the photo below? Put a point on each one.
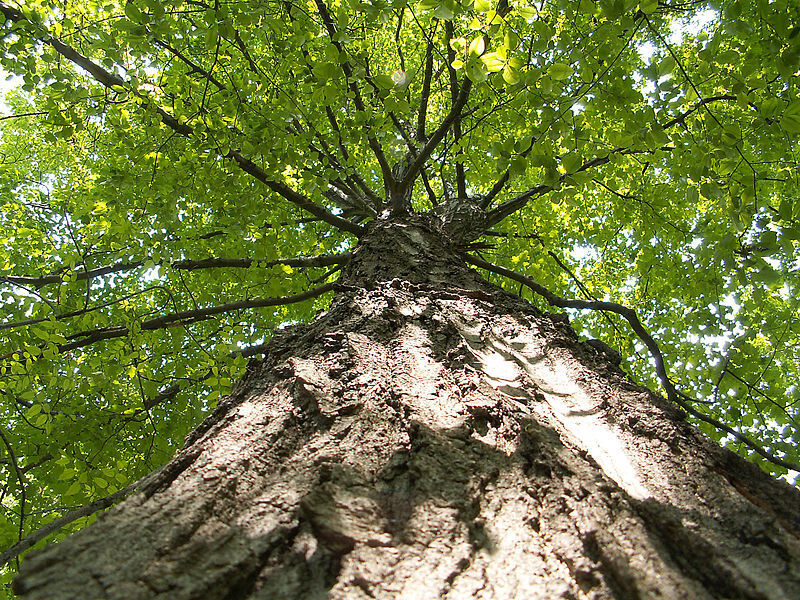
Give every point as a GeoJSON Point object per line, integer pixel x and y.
{"type": "Point", "coordinates": [431, 436]}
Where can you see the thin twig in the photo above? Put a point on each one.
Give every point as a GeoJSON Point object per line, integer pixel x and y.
{"type": "Point", "coordinates": [57, 524]}
{"type": "Point", "coordinates": [21, 479]}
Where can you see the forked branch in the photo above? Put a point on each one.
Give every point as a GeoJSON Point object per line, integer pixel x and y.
{"type": "Point", "coordinates": [182, 318]}
{"type": "Point", "coordinates": [425, 152]}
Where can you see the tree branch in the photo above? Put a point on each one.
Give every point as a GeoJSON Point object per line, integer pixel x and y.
{"type": "Point", "coordinates": [189, 265]}
{"type": "Point", "coordinates": [77, 313]}
{"type": "Point", "coordinates": [21, 478]}
{"type": "Point", "coordinates": [422, 115]}
{"type": "Point", "coordinates": [244, 263]}
{"type": "Point", "coordinates": [181, 318]}
{"type": "Point", "coordinates": [55, 277]}
{"type": "Point", "coordinates": [186, 317]}
{"type": "Point", "coordinates": [461, 182]}
{"type": "Point", "coordinates": [112, 81]}
{"type": "Point", "coordinates": [57, 524]}
{"type": "Point", "coordinates": [698, 105]}
{"type": "Point", "coordinates": [511, 206]}
{"type": "Point", "coordinates": [437, 136]}
{"type": "Point", "coordinates": [193, 68]}
{"type": "Point", "coordinates": [632, 318]}
{"type": "Point", "coordinates": [374, 145]}
{"type": "Point", "coordinates": [334, 123]}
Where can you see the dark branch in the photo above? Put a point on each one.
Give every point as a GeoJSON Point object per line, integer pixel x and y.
{"type": "Point", "coordinates": [461, 182]}
{"type": "Point", "coordinates": [487, 200]}
{"type": "Point", "coordinates": [437, 136]}
{"type": "Point", "coordinates": [205, 263]}
{"type": "Point", "coordinates": [511, 206]}
{"type": "Point", "coordinates": [244, 263]}
{"type": "Point", "coordinates": [422, 115]}
{"type": "Point", "coordinates": [374, 145]}
{"type": "Point", "coordinates": [632, 318]}
{"type": "Point", "coordinates": [77, 313]}
{"type": "Point", "coordinates": [193, 67]}
{"type": "Point", "coordinates": [19, 116]}
{"type": "Point", "coordinates": [698, 105]}
{"type": "Point", "coordinates": [186, 317]}
{"type": "Point", "coordinates": [38, 282]}
{"type": "Point", "coordinates": [22, 492]}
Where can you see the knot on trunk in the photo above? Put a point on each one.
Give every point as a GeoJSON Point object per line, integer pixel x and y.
{"type": "Point", "coordinates": [460, 219]}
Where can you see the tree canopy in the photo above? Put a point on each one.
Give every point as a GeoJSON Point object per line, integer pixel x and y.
{"type": "Point", "coordinates": [181, 178]}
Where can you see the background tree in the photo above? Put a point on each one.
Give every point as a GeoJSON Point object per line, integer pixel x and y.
{"type": "Point", "coordinates": [181, 179]}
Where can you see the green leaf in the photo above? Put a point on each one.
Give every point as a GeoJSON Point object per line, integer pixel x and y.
{"type": "Point", "coordinates": [476, 72]}
{"type": "Point", "coordinates": [493, 62]}
{"type": "Point", "coordinates": [511, 76]}
{"type": "Point", "coordinates": [790, 121]}
{"type": "Point", "coordinates": [511, 39]}
{"type": "Point", "coordinates": [560, 71]}
{"type": "Point", "coordinates": [477, 46]}
{"type": "Point", "coordinates": [325, 71]}
{"type": "Point", "coordinates": [384, 81]}
{"type": "Point", "coordinates": [571, 162]}
{"type": "Point", "coordinates": [648, 6]}
{"type": "Point", "coordinates": [483, 5]}
{"type": "Point", "coordinates": [132, 12]}
{"type": "Point", "coordinates": [518, 166]}
{"type": "Point", "coordinates": [786, 207]}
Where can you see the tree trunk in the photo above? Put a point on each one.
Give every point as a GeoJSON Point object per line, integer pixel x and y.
{"type": "Point", "coordinates": [431, 436]}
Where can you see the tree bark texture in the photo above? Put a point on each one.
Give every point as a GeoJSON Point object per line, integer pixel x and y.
{"type": "Point", "coordinates": [432, 436]}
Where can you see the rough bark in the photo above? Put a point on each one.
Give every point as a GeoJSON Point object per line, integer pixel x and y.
{"type": "Point", "coordinates": [431, 436]}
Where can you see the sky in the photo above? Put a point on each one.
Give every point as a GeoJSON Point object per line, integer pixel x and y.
{"type": "Point", "coordinates": [5, 85]}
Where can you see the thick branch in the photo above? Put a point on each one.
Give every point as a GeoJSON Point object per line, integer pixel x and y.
{"type": "Point", "coordinates": [244, 263]}
{"type": "Point", "coordinates": [186, 317]}
{"type": "Point", "coordinates": [487, 200]}
{"type": "Point", "coordinates": [437, 136]}
{"type": "Point", "coordinates": [20, 478]}
{"type": "Point", "coordinates": [697, 106]}
{"type": "Point", "coordinates": [633, 320]}
{"type": "Point", "coordinates": [461, 182]}
{"type": "Point", "coordinates": [422, 115]}
{"type": "Point", "coordinates": [193, 67]}
{"type": "Point", "coordinates": [43, 280]}
{"type": "Point", "coordinates": [511, 206]}
{"type": "Point", "coordinates": [334, 123]}
{"type": "Point", "coordinates": [204, 263]}
{"type": "Point", "coordinates": [77, 313]}
{"type": "Point", "coordinates": [284, 190]}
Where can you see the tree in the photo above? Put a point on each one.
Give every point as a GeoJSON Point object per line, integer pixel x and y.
{"type": "Point", "coordinates": [189, 184]}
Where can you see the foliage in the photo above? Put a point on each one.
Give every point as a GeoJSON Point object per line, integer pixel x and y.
{"type": "Point", "coordinates": [640, 152]}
